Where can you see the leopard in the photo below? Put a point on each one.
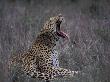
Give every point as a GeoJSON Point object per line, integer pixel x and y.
{"type": "Point", "coordinates": [37, 61]}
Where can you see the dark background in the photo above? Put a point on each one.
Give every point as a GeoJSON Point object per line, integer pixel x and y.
{"type": "Point", "coordinates": [87, 24]}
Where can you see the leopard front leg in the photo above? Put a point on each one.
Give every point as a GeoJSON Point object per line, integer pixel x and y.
{"type": "Point", "coordinates": [62, 72]}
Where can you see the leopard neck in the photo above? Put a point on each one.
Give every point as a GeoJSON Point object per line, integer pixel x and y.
{"type": "Point", "coordinates": [48, 39]}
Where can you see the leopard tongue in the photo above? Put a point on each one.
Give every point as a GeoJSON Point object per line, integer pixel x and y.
{"type": "Point", "coordinates": [63, 34]}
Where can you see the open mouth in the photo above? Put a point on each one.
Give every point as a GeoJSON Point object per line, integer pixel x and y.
{"type": "Point", "coordinates": [58, 30]}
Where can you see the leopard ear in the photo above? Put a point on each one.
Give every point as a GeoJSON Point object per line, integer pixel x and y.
{"type": "Point", "coordinates": [60, 15]}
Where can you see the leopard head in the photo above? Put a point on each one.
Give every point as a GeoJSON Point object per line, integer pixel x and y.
{"type": "Point", "coordinates": [54, 25]}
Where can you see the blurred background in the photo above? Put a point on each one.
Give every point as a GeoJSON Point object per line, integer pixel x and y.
{"type": "Point", "coordinates": [87, 23]}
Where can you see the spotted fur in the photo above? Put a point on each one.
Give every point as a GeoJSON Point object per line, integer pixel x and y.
{"type": "Point", "coordinates": [39, 61]}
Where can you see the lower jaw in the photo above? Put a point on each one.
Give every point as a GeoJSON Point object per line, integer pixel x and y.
{"type": "Point", "coordinates": [62, 34]}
